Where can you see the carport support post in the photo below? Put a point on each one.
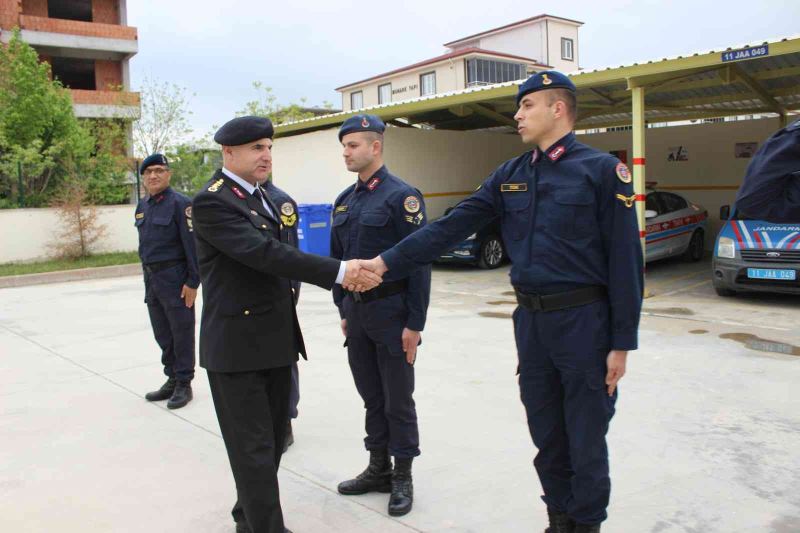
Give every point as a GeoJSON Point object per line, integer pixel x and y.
{"type": "Point", "coordinates": [637, 101]}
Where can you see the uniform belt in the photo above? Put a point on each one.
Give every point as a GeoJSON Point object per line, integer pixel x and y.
{"type": "Point", "coordinates": [161, 265]}
{"type": "Point", "coordinates": [388, 288]}
{"type": "Point", "coordinates": [560, 300]}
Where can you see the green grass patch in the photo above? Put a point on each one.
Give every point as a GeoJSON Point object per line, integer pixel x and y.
{"type": "Point", "coordinates": [53, 265]}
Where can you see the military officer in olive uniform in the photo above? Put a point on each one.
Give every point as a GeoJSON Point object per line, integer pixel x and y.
{"type": "Point", "coordinates": [171, 277]}
{"type": "Point", "coordinates": [249, 333]}
{"type": "Point", "coordinates": [569, 224]}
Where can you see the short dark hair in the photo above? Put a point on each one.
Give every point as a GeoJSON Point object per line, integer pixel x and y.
{"type": "Point", "coordinates": [569, 99]}
{"type": "Point", "coordinates": [373, 136]}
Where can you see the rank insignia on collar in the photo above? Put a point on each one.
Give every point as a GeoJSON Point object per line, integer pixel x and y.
{"type": "Point", "coordinates": [623, 173]}
{"type": "Point", "coordinates": [139, 216]}
{"type": "Point", "coordinates": [238, 192]}
{"type": "Point", "coordinates": [374, 182]}
{"type": "Point", "coordinates": [341, 209]}
{"type": "Point", "coordinates": [287, 209]}
{"type": "Point", "coordinates": [216, 185]}
{"type": "Point", "coordinates": [556, 153]}
{"type": "Point", "coordinates": [627, 200]}
{"type": "Point", "coordinates": [411, 204]}
{"type": "Point", "coordinates": [513, 187]}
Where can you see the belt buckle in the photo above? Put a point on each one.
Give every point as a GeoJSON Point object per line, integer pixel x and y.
{"type": "Point", "coordinates": [356, 296]}
{"type": "Point", "coordinates": [536, 302]}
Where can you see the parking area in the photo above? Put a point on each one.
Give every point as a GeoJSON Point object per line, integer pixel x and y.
{"type": "Point", "coordinates": [705, 438]}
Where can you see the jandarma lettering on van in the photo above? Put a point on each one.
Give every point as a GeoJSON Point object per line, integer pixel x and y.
{"type": "Point", "coordinates": [777, 228]}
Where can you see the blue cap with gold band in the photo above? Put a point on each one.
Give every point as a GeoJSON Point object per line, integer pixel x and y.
{"type": "Point", "coordinates": [361, 123]}
{"type": "Point", "coordinates": [243, 130]}
{"type": "Point", "coordinates": [549, 79]}
{"type": "Point", "coordinates": [154, 159]}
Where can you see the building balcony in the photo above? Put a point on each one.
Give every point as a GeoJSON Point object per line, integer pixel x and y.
{"type": "Point", "coordinates": [106, 104]}
{"type": "Point", "coordinates": [77, 27]}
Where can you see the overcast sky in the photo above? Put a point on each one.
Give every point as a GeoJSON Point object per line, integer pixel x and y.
{"type": "Point", "coordinates": [305, 49]}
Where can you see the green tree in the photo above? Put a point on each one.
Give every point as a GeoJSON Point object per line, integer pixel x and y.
{"type": "Point", "coordinates": [266, 105]}
{"type": "Point", "coordinates": [164, 121]}
{"type": "Point", "coordinates": [39, 131]}
{"type": "Point", "coordinates": [192, 166]}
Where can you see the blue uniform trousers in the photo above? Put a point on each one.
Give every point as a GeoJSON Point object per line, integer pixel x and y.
{"type": "Point", "coordinates": [383, 377]}
{"type": "Point", "coordinates": [172, 321]}
{"type": "Point", "coordinates": [562, 369]}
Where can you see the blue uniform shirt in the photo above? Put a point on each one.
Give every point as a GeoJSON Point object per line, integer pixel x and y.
{"type": "Point", "coordinates": [371, 217]}
{"type": "Point", "coordinates": [771, 187]}
{"type": "Point", "coordinates": [164, 222]}
{"type": "Point", "coordinates": [568, 220]}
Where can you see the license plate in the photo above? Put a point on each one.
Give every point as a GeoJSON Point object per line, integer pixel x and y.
{"type": "Point", "coordinates": [771, 273]}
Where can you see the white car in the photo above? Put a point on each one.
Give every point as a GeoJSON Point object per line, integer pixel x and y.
{"type": "Point", "coordinates": [674, 226]}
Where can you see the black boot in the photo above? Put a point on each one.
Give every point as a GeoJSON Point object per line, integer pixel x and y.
{"type": "Point", "coordinates": [164, 393]}
{"type": "Point", "coordinates": [289, 440]}
{"type": "Point", "coordinates": [583, 528]}
{"type": "Point", "coordinates": [559, 523]}
{"type": "Point", "coordinates": [377, 477]}
{"type": "Point", "coordinates": [402, 488]}
{"type": "Point", "coordinates": [181, 396]}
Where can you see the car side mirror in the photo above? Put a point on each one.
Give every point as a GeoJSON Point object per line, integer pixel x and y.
{"type": "Point", "coordinates": [649, 213]}
{"type": "Point", "coordinates": [725, 212]}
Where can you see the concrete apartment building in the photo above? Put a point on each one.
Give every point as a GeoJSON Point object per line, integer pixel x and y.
{"type": "Point", "coordinates": [507, 53]}
{"type": "Point", "coordinates": [88, 46]}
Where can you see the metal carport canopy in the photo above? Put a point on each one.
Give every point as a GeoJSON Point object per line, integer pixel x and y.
{"type": "Point", "coordinates": [748, 79]}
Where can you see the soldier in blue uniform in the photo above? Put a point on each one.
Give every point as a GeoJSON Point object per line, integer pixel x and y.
{"type": "Point", "coordinates": [771, 187]}
{"type": "Point", "coordinates": [382, 326]}
{"type": "Point", "coordinates": [569, 224]}
{"type": "Point", "coordinates": [171, 277]}
{"type": "Point", "coordinates": [288, 208]}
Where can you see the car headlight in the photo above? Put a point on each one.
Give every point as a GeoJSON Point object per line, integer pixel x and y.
{"type": "Point", "coordinates": [472, 237]}
{"type": "Point", "coordinates": [726, 248]}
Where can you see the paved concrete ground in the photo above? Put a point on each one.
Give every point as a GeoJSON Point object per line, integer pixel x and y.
{"type": "Point", "coordinates": [705, 439]}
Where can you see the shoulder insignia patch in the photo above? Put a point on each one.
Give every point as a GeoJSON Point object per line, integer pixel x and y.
{"type": "Point", "coordinates": [216, 185]}
{"type": "Point", "coordinates": [341, 209]}
{"type": "Point", "coordinates": [289, 220]}
{"type": "Point", "coordinates": [411, 204]}
{"type": "Point", "coordinates": [629, 201]}
{"type": "Point", "coordinates": [287, 209]}
{"type": "Point", "coordinates": [139, 216]}
{"type": "Point", "coordinates": [623, 173]}
{"type": "Point", "coordinates": [188, 212]}
{"type": "Point", "coordinates": [513, 187]}
{"type": "Point", "coordinates": [238, 192]}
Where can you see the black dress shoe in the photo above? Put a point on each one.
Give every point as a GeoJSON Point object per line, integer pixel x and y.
{"type": "Point", "coordinates": [376, 478]}
{"type": "Point", "coordinates": [584, 528]}
{"type": "Point", "coordinates": [242, 527]}
{"type": "Point", "coordinates": [164, 393]}
{"type": "Point", "coordinates": [181, 396]}
{"type": "Point", "coordinates": [402, 497]}
{"type": "Point", "coordinates": [559, 523]}
{"type": "Point", "coordinates": [289, 440]}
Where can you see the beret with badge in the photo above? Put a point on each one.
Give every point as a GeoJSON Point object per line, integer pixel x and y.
{"type": "Point", "coordinates": [358, 123]}
{"type": "Point", "coordinates": [243, 130]}
{"type": "Point", "coordinates": [154, 159]}
{"type": "Point", "coordinates": [549, 79]}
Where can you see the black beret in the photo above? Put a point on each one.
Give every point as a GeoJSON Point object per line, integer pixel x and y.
{"type": "Point", "coordinates": [361, 123]}
{"type": "Point", "coordinates": [540, 81]}
{"type": "Point", "coordinates": [155, 159]}
{"type": "Point", "coordinates": [243, 130]}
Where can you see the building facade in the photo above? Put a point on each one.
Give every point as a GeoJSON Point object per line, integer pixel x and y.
{"type": "Point", "coordinates": [508, 53]}
{"type": "Point", "coordinates": [88, 46]}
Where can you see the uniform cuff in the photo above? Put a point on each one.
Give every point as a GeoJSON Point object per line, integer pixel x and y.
{"type": "Point", "coordinates": [625, 340]}
{"type": "Point", "coordinates": [416, 324]}
{"type": "Point", "coordinates": [192, 283]}
{"type": "Point", "coordinates": [394, 261]}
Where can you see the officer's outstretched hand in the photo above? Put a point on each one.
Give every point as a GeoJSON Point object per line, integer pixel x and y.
{"type": "Point", "coordinates": [189, 295]}
{"type": "Point", "coordinates": [410, 343]}
{"type": "Point", "coordinates": [375, 264]}
{"type": "Point", "coordinates": [357, 278]}
{"type": "Point", "coordinates": [616, 368]}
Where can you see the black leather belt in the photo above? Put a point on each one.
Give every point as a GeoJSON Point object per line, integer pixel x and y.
{"type": "Point", "coordinates": [560, 300]}
{"type": "Point", "coordinates": [161, 265]}
{"type": "Point", "coordinates": [388, 288]}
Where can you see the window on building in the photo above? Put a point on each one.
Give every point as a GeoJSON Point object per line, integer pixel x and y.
{"type": "Point", "coordinates": [567, 50]}
{"type": "Point", "coordinates": [427, 84]}
{"type": "Point", "coordinates": [356, 100]}
{"type": "Point", "coordinates": [70, 9]}
{"type": "Point", "coordinates": [74, 73]}
{"type": "Point", "coordinates": [486, 71]}
{"type": "Point", "coordinates": [384, 93]}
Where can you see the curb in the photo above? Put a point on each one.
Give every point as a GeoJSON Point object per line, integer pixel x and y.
{"type": "Point", "coordinates": [79, 274]}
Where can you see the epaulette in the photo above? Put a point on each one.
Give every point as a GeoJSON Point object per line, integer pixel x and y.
{"type": "Point", "coordinates": [214, 187]}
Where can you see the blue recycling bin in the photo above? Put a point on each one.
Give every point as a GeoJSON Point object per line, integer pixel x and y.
{"type": "Point", "coordinates": [314, 228]}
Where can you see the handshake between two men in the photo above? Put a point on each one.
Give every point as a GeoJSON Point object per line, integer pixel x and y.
{"type": "Point", "coordinates": [363, 274]}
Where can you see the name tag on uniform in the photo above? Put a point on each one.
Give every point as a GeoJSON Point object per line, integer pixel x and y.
{"type": "Point", "coordinates": [513, 187]}
{"type": "Point", "coordinates": [139, 216]}
{"type": "Point", "coordinates": [341, 209]}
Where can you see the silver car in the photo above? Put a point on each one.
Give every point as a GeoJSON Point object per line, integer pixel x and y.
{"type": "Point", "coordinates": [674, 226]}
